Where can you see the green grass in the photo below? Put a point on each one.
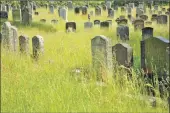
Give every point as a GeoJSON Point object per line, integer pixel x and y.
{"type": "Point", "coordinates": [48, 85]}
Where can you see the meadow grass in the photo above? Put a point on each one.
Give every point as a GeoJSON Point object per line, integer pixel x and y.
{"type": "Point", "coordinates": [49, 86]}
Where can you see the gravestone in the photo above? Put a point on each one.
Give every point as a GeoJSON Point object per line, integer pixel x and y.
{"type": "Point", "coordinates": [138, 24]}
{"type": "Point", "coordinates": [162, 19]}
{"type": "Point", "coordinates": [104, 7]}
{"type": "Point", "coordinates": [51, 8]}
{"type": "Point", "coordinates": [37, 46]}
{"type": "Point", "coordinates": [123, 53]}
{"type": "Point", "coordinates": [14, 31]}
{"type": "Point", "coordinates": [123, 32]}
{"type": "Point", "coordinates": [96, 22]}
{"type": "Point", "coordinates": [122, 9]}
{"type": "Point", "coordinates": [24, 44]}
{"type": "Point", "coordinates": [70, 5]}
{"type": "Point", "coordinates": [77, 10]}
{"type": "Point", "coordinates": [7, 7]}
{"type": "Point", "coordinates": [36, 13]}
{"type": "Point", "coordinates": [88, 25]}
{"type": "Point", "coordinates": [110, 13]}
{"type": "Point", "coordinates": [63, 14]}
{"type": "Point", "coordinates": [16, 15]}
{"type": "Point", "coordinates": [129, 16]}
{"type": "Point", "coordinates": [3, 15]}
{"type": "Point", "coordinates": [154, 17]}
{"type": "Point", "coordinates": [115, 7]}
{"type": "Point", "coordinates": [43, 20]}
{"type": "Point", "coordinates": [54, 21]}
{"type": "Point", "coordinates": [129, 10]}
{"type": "Point", "coordinates": [139, 12]}
{"type": "Point", "coordinates": [98, 11]}
{"type": "Point", "coordinates": [159, 12]}
{"type": "Point", "coordinates": [153, 54]}
{"type": "Point", "coordinates": [156, 7]}
{"type": "Point", "coordinates": [108, 4]}
{"type": "Point", "coordinates": [84, 10]}
{"type": "Point", "coordinates": [70, 27]}
{"type": "Point", "coordinates": [122, 21]}
{"type": "Point", "coordinates": [163, 9]}
{"type": "Point", "coordinates": [148, 23]}
{"type": "Point", "coordinates": [3, 8]}
{"type": "Point", "coordinates": [143, 17]}
{"type": "Point", "coordinates": [101, 55]}
{"type": "Point", "coordinates": [104, 24]}
{"type": "Point", "coordinates": [7, 35]}
{"type": "Point", "coordinates": [131, 5]}
{"type": "Point", "coordinates": [110, 22]}
{"type": "Point", "coordinates": [147, 32]}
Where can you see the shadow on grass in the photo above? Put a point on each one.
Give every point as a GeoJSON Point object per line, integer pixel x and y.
{"type": "Point", "coordinates": [40, 26]}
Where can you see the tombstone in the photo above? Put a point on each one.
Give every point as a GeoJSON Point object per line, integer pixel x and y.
{"type": "Point", "coordinates": [96, 22]}
{"type": "Point", "coordinates": [7, 7]}
{"type": "Point", "coordinates": [34, 7]}
{"type": "Point", "coordinates": [3, 15]}
{"type": "Point", "coordinates": [123, 32]}
{"type": "Point", "coordinates": [159, 12]}
{"type": "Point", "coordinates": [14, 38]}
{"type": "Point", "coordinates": [43, 20]}
{"type": "Point", "coordinates": [153, 54]}
{"type": "Point", "coordinates": [115, 7]}
{"type": "Point", "coordinates": [37, 46]}
{"type": "Point", "coordinates": [143, 17]}
{"type": "Point", "coordinates": [138, 24]}
{"type": "Point", "coordinates": [147, 32]}
{"type": "Point", "coordinates": [121, 17]}
{"type": "Point", "coordinates": [141, 5]}
{"type": "Point", "coordinates": [163, 9]}
{"type": "Point", "coordinates": [54, 21]}
{"type": "Point", "coordinates": [156, 7]}
{"type": "Point", "coordinates": [122, 21]}
{"type": "Point", "coordinates": [36, 13]}
{"type": "Point", "coordinates": [139, 12]}
{"type": "Point", "coordinates": [129, 10]}
{"type": "Point", "coordinates": [88, 25]}
{"type": "Point", "coordinates": [46, 6]}
{"type": "Point", "coordinates": [98, 11]}
{"type": "Point", "coordinates": [70, 27]}
{"type": "Point", "coordinates": [24, 44]}
{"type": "Point", "coordinates": [84, 10]}
{"type": "Point", "coordinates": [7, 34]}
{"type": "Point", "coordinates": [148, 23]}
{"type": "Point", "coordinates": [3, 8]}
{"type": "Point", "coordinates": [70, 5]}
{"type": "Point", "coordinates": [101, 55]}
{"type": "Point", "coordinates": [129, 16]}
{"type": "Point", "coordinates": [123, 53]}
{"type": "Point", "coordinates": [131, 5]}
{"type": "Point", "coordinates": [122, 9]}
{"type": "Point", "coordinates": [104, 24]}
{"type": "Point", "coordinates": [108, 4]}
{"type": "Point", "coordinates": [77, 10]}
{"type": "Point", "coordinates": [16, 15]}
{"type": "Point", "coordinates": [167, 13]}
{"type": "Point", "coordinates": [162, 19]}
{"type": "Point", "coordinates": [110, 13]}
{"type": "Point", "coordinates": [110, 22]}
{"type": "Point", "coordinates": [63, 13]}
{"type": "Point", "coordinates": [51, 8]}
{"type": "Point", "coordinates": [104, 7]}
{"type": "Point", "coordinates": [154, 17]}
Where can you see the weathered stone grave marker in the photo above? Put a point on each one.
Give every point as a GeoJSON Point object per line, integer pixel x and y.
{"type": "Point", "coordinates": [147, 32]}
{"type": "Point", "coordinates": [63, 14]}
{"type": "Point", "coordinates": [84, 10]}
{"type": "Point", "coordinates": [88, 25]}
{"type": "Point", "coordinates": [110, 13]}
{"type": "Point", "coordinates": [104, 24]}
{"type": "Point", "coordinates": [162, 19]}
{"type": "Point", "coordinates": [123, 32]}
{"type": "Point", "coordinates": [3, 15]}
{"type": "Point", "coordinates": [98, 11]}
{"type": "Point", "coordinates": [77, 10]}
{"type": "Point", "coordinates": [70, 27]}
{"type": "Point", "coordinates": [138, 24]}
{"type": "Point", "coordinates": [16, 15]}
{"type": "Point", "coordinates": [96, 22]}
{"type": "Point", "coordinates": [24, 44]}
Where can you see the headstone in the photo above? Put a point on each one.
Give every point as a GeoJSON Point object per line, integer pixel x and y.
{"type": "Point", "coordinates": [14, 38]}
{"type": "Point", "coordinates": [84, 10]}
{"type": "Point", "coordinates": [110, 13]}
{"type": "Point", "coordinates": [63, 13]}
{"type": "Point", "coordinates": [147, 32]}
{"type": "Point", "coordinates": [121, 17]}
{"type": "Point", "coordinates": [123, 54]}
{"type": "Point", "coordinates": [77, 10]}
{"type": "Point", "coordinates": [154, 17]}
{"type": "Point", "coordinates": [3, 15]}
{"type": "Point", "coordinates": [70, 5]}
{"type": "Point", "coordinates": [70, 27]}
{"type": "Point", "coordinates": [143, 17]}
{"type": "Point", "coordinates": [159, 12]}
{"type": "Point", "coordinates": [148, 23]}
{"type": "Point", "coordinates": [37, 46]}
{"type": "Point", "coordinates": [163, 9]}
{"type": "Point", "coordinates": [123, 32]}
{"type": "Point", "coordinates": [96, 22]}
{"type": "Point", "coordinates": [54, 21]}
{"type": "Point", "coordinates": [110, 22]}
{"type": "Point", "coordinates": [104, 7]}
{"type": "Point", "coordinates": [162, 19]}
{"type": "Point", "coordinates": [24, 44]}
{"type": "Point", "coordinates": [51, 8]}
{"type": "Point", "coordinates": [132, 5]}
{"type": "Point", "coordinates": [98, 11]}
{"type": "Point", "coordinates": [138, 24]}
{"type": "Point", "coordinates": [43, 20]}
{"type": "Point", "coordinates": [129, 10]}
{"type": "Point", "coordinates": [88, 25]}
{"type": "Point", "coordinates": [101, 55]}
{"type": "Point", "coordinates": [122, 21]}
{"type": "Point", "coordinates": [105, 24]}
{"type": "Point", "coordinates": [36, 13]}
{"type": "Point", "coordinates": [122, 9]}
{"type": "Point", "coordinates": [156, 7]}
{"type": "Point", "coordinates": [3, 8]}
{"type": "Point", "coordinates": [139, 12]}
{"type": "Point", "coordinates": [108, 4]}
{"type": "Point", "coordinates": [16, 15]}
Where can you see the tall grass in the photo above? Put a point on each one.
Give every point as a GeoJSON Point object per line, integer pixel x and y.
{"type": "Point", "coordinates": [49, 86]}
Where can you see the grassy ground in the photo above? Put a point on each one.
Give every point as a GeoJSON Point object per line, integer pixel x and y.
{"type": "Point", "coordinates": [48, 86]}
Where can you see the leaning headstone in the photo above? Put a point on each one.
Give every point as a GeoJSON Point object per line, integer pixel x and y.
{"type": "Point", "coordinates": [96, 22]}
{"type": "Point", "coordinates": [162, 19]}
{"type": "Point", "coordinates": [70, 27]}
{"type": "Point", "coordinates": [84, 10]}
{"type": "Point", "coordinates": [37, 46]}
{"type": "Point", "coordinates": [51, 8]}
{"type": "Point", "coordinates": [138, 24]}
{"type": "Point", "coordinates": [16, 15]}
{"type": "Point", "coordinates": [104, 24]}
{"type": "Point", "coordinates": [70, 5]}
{"type": "Point", "coordinates": [63, 13]}
{"type": "Point", "coordinates": [101, 55]}
{"type": "Point", "coordinates": [147, 32]}
{"type": "Point", "coordinates": [123, 32]}
{"type": "Point", "coordinates": [123, 53]}
{"type": "Point", "coordinates": [24, 44]}
{"type": "Point", "coordinates": [3, 15]}
{"type": "Point", "coordinates": [7, 35]}
{"type": "Point", "coordinates": [98, 11]}
{"type": "Point", "coordinates": [88, 25]}
{"type": "Point", "coordinates": [110, 13]}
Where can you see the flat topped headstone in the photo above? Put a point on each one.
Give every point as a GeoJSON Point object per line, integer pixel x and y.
{"type": "Point", "coordinates": [88, 25]}
{"type": "Point", "coordinates": [70, 26]}
{"type": "Point", "coordinates": [138, 24]}
{"type": "Point", "coordinates": [123, 32]}
{"type": "Point", "coordinates": [3, 15]}
{"type": "Point", "coordinates": [147, 32]}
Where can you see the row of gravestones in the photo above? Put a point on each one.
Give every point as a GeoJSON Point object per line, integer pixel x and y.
{"type": "Point", "coordinates": [9, 40]}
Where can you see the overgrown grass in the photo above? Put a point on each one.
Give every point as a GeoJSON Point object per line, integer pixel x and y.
{"type": "Point", "coordinates": [49, 86]}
